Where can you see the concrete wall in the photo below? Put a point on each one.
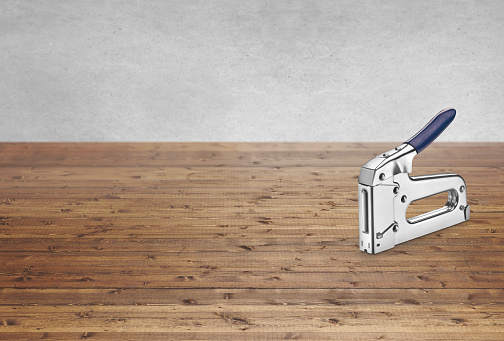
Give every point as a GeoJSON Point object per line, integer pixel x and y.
{"type": "Point", "coordinates": [249, 70]}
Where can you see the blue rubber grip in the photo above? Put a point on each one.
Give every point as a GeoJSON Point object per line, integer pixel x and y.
{"type": "Point", "coordinates": [432, 130]}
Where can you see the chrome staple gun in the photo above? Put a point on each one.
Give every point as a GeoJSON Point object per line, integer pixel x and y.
{"type": "Point", "coordinates": [386, 190]}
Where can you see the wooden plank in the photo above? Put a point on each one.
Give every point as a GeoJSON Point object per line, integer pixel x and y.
{"type": "Point", "coordinates": [468, 298]}
{"type": "Point", "coordinates": [244, 259]}
{"type": "Point", "coordinates": [274, 241]}
{"type": "Point", "coordinates": [413, 333]}
{"type": "Point", "coordinates": [269, 312]}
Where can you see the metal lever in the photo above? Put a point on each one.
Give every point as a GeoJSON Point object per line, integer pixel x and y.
{"type": "Point", "coordinates": [432, 130]}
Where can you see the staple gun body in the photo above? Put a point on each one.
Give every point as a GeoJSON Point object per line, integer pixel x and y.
{"type": "Point", "coordinates": [386, 190]}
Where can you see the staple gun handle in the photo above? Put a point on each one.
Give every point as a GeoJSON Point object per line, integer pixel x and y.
{"type": "Point", "coordinates": [432, 130]}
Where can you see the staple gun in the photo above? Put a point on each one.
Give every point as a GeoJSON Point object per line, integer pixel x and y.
{"type": "Point", "coordinates": [386, 190]}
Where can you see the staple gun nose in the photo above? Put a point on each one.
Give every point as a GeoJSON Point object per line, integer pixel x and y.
{"type": "Point", "coordinates": [386, 190]}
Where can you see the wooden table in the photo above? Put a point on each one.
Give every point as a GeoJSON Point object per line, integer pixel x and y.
{"type": "Point", "coordinates": [245, 241]}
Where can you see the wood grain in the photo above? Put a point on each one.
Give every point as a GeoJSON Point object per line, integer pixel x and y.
{"type": "Point", "coordinates": [237, 241]}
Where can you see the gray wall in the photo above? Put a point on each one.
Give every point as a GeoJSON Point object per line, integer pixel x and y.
{"type": "Point", "coordinates": [249, 70]}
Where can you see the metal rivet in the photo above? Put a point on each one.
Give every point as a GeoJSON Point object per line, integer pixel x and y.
{"type": "Point", "coordinates": [462, 207]}
{"type": "Point", "coordinates": [377, 244]}
{"type": "Point", "coordinates": [395, 228]}
{"type": "Point", "coordinates": [396, 190]}
{"type": "Point", "coordinates": [403, 199]}
{"type": "Point", "coordinates": [382, 176]}
{"type": "Point", "coordinates": [385, 154]}
{"type": "Point", "coordinates": [462, 188]}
